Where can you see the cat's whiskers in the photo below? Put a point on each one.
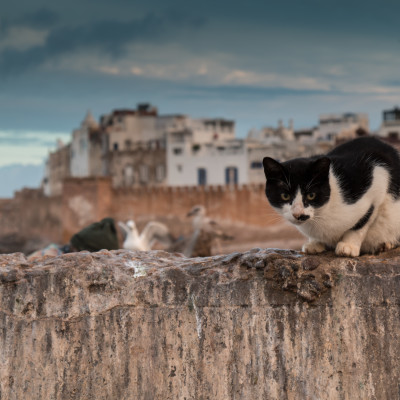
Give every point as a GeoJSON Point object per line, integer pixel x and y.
{"type": "Point", "coordinates": [272, 213]}
{"type": "Point", "coordinates": [274, 220]}
{"type": "Point", "coordinates": [272, 216]}
{"type": "Point", "coordinates": [318, 219]}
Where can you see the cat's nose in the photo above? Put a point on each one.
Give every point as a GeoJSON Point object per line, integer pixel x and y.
{"type": "Point", "coordinates": [301, 217]}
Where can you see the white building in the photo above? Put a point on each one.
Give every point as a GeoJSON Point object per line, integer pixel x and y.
{"type": "Point", "coordinates": [80, 164]}
{"type": "Point", "coordinates": [57, 168]}
{"type": "Point", "coordinates": [341, 126]}
{"type": "Point", "coordinates": [206, 153]}
{"type": "Point", "coordinates": [197, 158]}
{"type": "Point", "coordinates": [390, 127]}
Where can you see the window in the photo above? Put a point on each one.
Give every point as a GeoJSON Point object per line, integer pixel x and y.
{"type": "Point", "coordinates": [128, 175]}
{"type": "Point", "coordinates": [393, 135]}
{"type": "Point", "coordinates": [177, 151]}
{"type": "Point", "coordinates": [196, 148]}
{"type": "Point", "coordinates": [115, 146]}
{"type": "Point", "coordinates": [160, 172]}
{"type": "Point", "coordinates": [128, 144]}
{"type": "Point", "coordinates": [231, 175]}
{"type": "Point", "coordinates": [144, 173]}
{"type": "Point", "coordinates": [330, 136]}
{"type": "Point", "coordinates": [256, 165]}
{"type": "Point", "coordinates": [201, 176]}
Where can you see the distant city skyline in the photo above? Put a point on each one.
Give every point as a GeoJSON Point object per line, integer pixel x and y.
{"type": "Point", "coordinates": [256, 62]}
{"type": "Point", "coordinates": [27, 146]}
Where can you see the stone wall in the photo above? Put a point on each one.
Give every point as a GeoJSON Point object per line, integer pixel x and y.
{"type": "Point", "coordinates": [84, 201]}
{"type": "Point", "coordinates": [87, 200]}
{"type": "Point", "coordinates": [31, 214]}
{"type": "Point", "coordinates": [242, 204]}
{"type": "Point", "coordinates": [259, 325]}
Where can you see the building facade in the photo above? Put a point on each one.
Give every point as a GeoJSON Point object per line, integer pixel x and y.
{"type": "Point", "coordinates": [86, 148]}
{"type": "Point", "coordinates": [205, 152]}
{"type": "Point", "coordinates": [229, 161]}
{"type": "Point", "coordinates": [390, 127]}
{"type": "Point", "coordinates": [126, 127]}
{"type": "Point", "coordinates": [340, 126]}
{"type": "Point", "coordinates": [215, 163]}
{"type": "Point", "coordinates": [142, 165]}
{"type": "Point", "coordinates": [57, 168]}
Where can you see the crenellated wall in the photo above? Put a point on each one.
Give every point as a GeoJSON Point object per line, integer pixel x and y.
{"type": "Point", "coordinates": [31, 214]}
{"type": "Point", "coordinates": [86, 200]}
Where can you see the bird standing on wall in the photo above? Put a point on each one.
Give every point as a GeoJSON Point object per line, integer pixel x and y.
{"type": "Point", "coordinates": [205, 233]}
{"type": "Point", "coordinates": [153, 232]}
{"type": "Point", "coordinates": [199, 221]}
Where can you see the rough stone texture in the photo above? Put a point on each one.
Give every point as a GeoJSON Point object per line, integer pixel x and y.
{"type": "Point", "coordinates": [266, 324]}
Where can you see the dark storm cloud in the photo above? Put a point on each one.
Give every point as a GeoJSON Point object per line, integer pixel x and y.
{"type": "Point", "coordinates": [41, 18]}
{"type": "Point", "coordinates": [367, 16]}
{"type": "Point", "coordinates": [344, 45]}
{"type": "Point", "coordinates": [108, 36]}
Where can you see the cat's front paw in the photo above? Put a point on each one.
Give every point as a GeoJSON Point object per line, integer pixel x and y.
{"type": "Point", "coordinates": [347, 249]}
{"type": "Point", "coordinates": [313, 247]}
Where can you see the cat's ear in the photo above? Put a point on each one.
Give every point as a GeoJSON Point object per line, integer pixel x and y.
{"type": "Point", "coordinates": [321, 166]}
{"type": "Point", "coordinates": [272, 168]}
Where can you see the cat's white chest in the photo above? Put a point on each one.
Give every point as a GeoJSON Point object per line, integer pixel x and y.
{"type": "Point", "coordinates": [332, 220]}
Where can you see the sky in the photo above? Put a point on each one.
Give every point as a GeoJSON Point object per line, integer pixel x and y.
{"type": "Point", "coordinates": [252, 61]}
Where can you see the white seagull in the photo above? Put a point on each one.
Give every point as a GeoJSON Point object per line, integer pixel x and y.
{"type": "Point", "coordinates": [205, 232]}
{"type": "Point", "coordinates": [153, 232]}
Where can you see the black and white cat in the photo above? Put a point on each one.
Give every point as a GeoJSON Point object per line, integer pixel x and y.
{"type": "Point", "coordinates": [348, 200]}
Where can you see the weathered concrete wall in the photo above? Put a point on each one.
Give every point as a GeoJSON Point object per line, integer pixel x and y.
{"type": "Point", "coordinates": [260, 325]}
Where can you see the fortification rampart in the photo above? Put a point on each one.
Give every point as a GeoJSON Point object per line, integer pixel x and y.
{"type": "Point", "coordinates": [86, 200]}
{"type": "Point", "coordinates": [31, 214]}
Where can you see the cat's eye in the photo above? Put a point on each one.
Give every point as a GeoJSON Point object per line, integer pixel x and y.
{"type": "Point", "coordinates": [311, 196]}
{"type": "Point", "coordinates": [285, 196]}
